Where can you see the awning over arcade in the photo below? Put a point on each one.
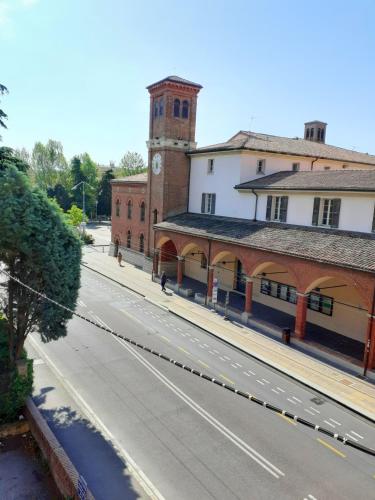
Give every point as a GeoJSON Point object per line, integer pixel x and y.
{"type": "Point", "coordinates": [340, 248]}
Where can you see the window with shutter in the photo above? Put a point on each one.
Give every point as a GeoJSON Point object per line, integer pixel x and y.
{"type": "Point", "coordinates": [373, 222]}
{"type": "Point", "coordinates": [326, 212]}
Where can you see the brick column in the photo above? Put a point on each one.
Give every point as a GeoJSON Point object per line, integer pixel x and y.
{"type": "Point", "coordinates": [180, 270]}
{"type": "Point", "coordinates": [370, 336]}
{"type": "Point", "coordinates": [155, 264]}
{"type": "Point", "coordinates": [210, 279]}
{"type": "Point", "coordinates": [300, 324]}
{"type": "Point", "coordinates": [249, 295]}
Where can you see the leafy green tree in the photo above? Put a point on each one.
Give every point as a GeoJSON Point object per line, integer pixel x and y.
{"type": "Point", "coordinates": [9, 158]}
{"type": "Point", "coordinates": [90, 171]}
{"type": "Point", "coordinates": [105, 194]}
{"type": "Point", "coordinates": [75, 216]}
{"type": "Point", "coordinates": [77, 176]}
{"type": "Point", "coordinates": [131, 163]}
{"type": "Point", "coordinates": [49, 166]}
{"type": "Point", "coordinates": [39, 248]}
{"type": "Point", "coordinates": [61, 195]}
{"type": "Point", "coordinates": [3, 115]}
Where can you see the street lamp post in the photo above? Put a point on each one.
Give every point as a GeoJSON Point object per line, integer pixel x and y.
{"type": "Point", "coordinates": [83, 197]}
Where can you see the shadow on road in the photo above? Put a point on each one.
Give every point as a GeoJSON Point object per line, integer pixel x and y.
{"type": "Point", "coordinates": [94, 457]}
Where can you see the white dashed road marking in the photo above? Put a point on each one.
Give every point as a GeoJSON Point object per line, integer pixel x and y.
{"type": "Point", "coordinates": [260, 382]}
{"type": "Point", "coordinates": [356, 434]}
{"type": "Point", "coordinates": [298, 400]}
{"type": "Point", "coordinates": [329, 423]}
{"type": "Point", "coordinates": [279, 388]}
{"type": "Point", "coordinates": [334, 421]}
{"type": "Point", "coordinates": [310, 412]}
{"type": "Point", "coordinates": [291, 401]}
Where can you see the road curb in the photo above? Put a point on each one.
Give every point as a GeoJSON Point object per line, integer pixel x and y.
{"type": "Point", "coordinates": [241, 349]}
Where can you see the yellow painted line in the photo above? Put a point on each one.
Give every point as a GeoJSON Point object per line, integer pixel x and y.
{"type": "Point", "coordinates": [287, 419]}
{"type": "Point", "coordinates": [226, 378]}
{"type": "Point", "coordinates": [165, 338]}
{"type": "Point", "coordinates": [183, 350]}
{"type": "Point", "coordinates": [203, 363]}
{"type": "Point", "coordinates": [332, 448]}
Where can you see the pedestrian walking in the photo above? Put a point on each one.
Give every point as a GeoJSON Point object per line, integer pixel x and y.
{"type": "Point", "coordinates": [119, 258]}
{"type": "Point", "coordinates": [163, 281]}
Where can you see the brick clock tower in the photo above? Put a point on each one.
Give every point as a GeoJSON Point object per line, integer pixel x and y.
{"type": "Point", "coordinates": [173, 105]}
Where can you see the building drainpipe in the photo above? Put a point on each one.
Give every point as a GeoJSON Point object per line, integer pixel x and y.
{"type": "Point", "coordinates": [256, 205]}
{"type": "Point", "coordinates": [312, 163]}
{"type": "Point", "coordinates": [368, 343]}
{"type": "Point", "coordinates": [208, 267]}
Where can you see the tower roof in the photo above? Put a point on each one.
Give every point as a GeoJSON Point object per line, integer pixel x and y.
{"type": "Point", "coordinates": [175, 79]}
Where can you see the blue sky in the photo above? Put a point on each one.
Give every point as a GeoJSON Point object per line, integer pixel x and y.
{"type": "Point", "coordinates": [77, 69]}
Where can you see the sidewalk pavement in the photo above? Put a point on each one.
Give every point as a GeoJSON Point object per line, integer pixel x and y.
{"type": "Point", "coordinates": [342, 387]}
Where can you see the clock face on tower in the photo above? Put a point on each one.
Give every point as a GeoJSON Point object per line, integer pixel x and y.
{"type": "Point", "coordinates": [156, 164]}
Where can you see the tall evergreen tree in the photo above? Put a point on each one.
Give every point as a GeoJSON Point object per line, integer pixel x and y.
{"type": "Point", "coordinates": [105, 194]}
{"type": "Point", "coordinates": [38, 247]}
{"type": "Point", "coordinates": [77, 176]}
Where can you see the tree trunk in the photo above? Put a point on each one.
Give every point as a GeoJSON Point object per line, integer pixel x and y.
{"type": "Point", "coordinates": [10, 317]}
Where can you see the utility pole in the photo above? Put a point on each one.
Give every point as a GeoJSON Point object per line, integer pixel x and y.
{"type": "Point", "coordinates": [83, 198]}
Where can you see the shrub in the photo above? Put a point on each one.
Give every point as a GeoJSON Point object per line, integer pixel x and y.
{"type": "Point", "coordinates": [14, 388]}
{"type": "Point", "coordinates": [88, 239]}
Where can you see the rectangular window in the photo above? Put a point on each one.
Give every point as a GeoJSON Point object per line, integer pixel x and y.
{"type": "Point", "coordinates": [295, 167]}
{"type": "Point", "coordinates": [210, 166]}
{"type": "Point", "coordinates": [373, 222]}
{"type": "Point", "coordinates": [326, 212]}
{"type": "Point", "coordinates": [327, 168]}
{"type": "Point", "coordinates": [320, 303]}
{"type": "Point", "coordinates": [208, 203]}
{"type": "Point", "coordinates": [261, 166]}
{"type": "Point", "coordinates": [277, 208]}
{"type": "Point", "coordinates": [278, 290]}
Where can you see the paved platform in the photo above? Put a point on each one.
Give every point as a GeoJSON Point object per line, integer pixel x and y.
{"type": "Point", "coordinates": [347, 389]}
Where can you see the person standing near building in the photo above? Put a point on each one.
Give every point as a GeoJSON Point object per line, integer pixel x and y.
{"type": "Point", "coordinates": [163, 281]}
{"type": "Point", "coordinates": [119, 258]}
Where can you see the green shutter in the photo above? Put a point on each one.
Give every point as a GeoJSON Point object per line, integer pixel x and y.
{"type": "Point", "coordinates": [213, 203]}
{"type": "Point", "coordinates": [315, 216]}
{"type": "Point", "coordinates": [283, 208]}
{"type": "Point", "coordinates": [335, 212]}
{"type": "Point", "coordinates": [269, 206]}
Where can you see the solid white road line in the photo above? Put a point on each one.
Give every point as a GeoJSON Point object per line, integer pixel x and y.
{"type": "Point", "coordinates": [358, 435]}
{"type": "Point", "coordinates": [236, 440]}
{"type": "Point", "coordinates": [134, 469]}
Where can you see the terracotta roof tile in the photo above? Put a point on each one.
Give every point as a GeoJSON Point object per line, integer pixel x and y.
{"type": "Point", "coordinates": [340, 248]}
{"type": "Point", "coordinates": [286, 145]}
{"type": "Point", "coordinates": [322, 180]}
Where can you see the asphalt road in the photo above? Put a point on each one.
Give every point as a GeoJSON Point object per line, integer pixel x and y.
{"type": "Point", "coordinates": [188, 437]}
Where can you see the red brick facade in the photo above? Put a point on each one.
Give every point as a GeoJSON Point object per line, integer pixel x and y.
{"type": "Point", "coordinates": [129, 198]}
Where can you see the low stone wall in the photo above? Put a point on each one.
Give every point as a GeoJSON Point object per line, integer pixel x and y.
{"type": "Point", "coordinates": [63, 471]}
